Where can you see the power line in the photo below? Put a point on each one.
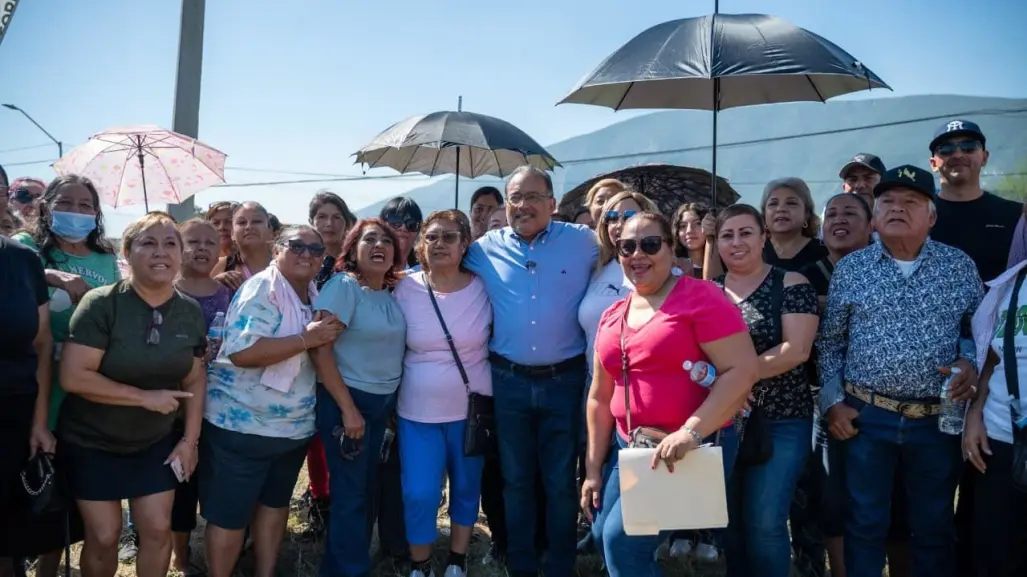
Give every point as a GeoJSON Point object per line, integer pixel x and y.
{"type": "Point", "coordinates": [33, 147]}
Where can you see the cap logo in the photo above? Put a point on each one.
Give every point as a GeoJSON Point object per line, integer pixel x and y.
{"type": "Point", "coordinates": [954, 125]}
{"type": "Point", "coordinates": [907, 174]}
{"type": "Point", "coordinates": [860, 158]}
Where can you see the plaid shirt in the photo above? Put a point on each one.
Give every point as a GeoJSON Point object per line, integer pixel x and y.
{"type": "Point", "coordinates": [888, 333]}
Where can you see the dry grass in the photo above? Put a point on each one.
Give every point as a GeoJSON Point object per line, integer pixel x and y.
{"type": "Point", "coordinates": [301, 558]}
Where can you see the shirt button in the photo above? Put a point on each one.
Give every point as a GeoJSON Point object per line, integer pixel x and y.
{"type": "Point", "coordinates": [532, 322]}
{"type": "Point", "coordinates": [533, 297]}
{"type": "Point", "coordinates": [532, 348]}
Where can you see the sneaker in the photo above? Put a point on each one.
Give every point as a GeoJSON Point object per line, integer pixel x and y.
{"type": "Point", "coordinates": [706, 553]}
{"type": "Point", "coordinates": [454, 571]}
{"type": "Point", "coordinates": [680, 548]}
{"type": "Point", "coordinates": [129, 546]}
{"type": "Point", "coordinates": [419, 573]}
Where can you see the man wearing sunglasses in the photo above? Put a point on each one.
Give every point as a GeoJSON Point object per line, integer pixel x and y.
{"type": "Point", "coordinates": [23, 194]}
{"type": "Point", "coordinates": [980, 224]}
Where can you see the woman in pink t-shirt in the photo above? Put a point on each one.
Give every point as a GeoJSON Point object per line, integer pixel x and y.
{"type": "Point", "coordinates": [664, 322]}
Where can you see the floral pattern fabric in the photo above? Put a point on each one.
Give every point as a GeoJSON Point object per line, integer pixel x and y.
{"type": "Point", "coordinates": [236, 400]}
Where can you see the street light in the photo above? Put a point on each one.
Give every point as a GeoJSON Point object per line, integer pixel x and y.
{"type": "Point", "coordinates": [60, 146]}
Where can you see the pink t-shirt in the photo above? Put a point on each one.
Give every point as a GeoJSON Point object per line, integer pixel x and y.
{"type": "Point", "coordinates": [662, 393]}
{"type": "Point", "coordinates": [432, 390]}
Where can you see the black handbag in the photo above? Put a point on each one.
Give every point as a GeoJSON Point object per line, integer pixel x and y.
{"type": "Point", "coordinates": [39, 479]}
{"type": "Point", "coordinates": [480, 431]}
{"type": "Point", "coordinates": [1019, 472]}
{"type": "Point", "coordinates": [756, 447]}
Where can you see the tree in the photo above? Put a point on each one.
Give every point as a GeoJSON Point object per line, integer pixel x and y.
{"type": "Point", "coordinates": [1014, 185]}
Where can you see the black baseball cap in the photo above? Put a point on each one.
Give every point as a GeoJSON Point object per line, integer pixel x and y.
{"type": "Point", "coordinates": [955, 128]}
{"type": "Point", "coordinates": [906, 176]}
{"type": "Point", "coordinates": [864, 159]}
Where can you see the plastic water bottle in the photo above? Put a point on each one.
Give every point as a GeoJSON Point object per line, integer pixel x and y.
{"type": "Point", "coordinates": [702, 373]}
{"type": "Point", "coordinates": [216, 334]}
{"type": "Point", "coordinates": [953, 413]}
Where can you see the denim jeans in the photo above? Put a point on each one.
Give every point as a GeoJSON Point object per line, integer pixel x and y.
{"type": "Point", "coordinates": [759, 500]}
{"type": "Point", "coordinates": [351, 481]}
{"type": "Point", "coordinates": [635, 555]}
{"type": "Point", "coordinates": [537, 421]}
{"type": "Point", "coordinates": [930, 462]}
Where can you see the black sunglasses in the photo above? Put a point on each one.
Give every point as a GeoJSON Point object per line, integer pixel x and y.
{"type": "Point", "coordinates": [298, 247]}
{"type": "Point", "coordinates": [650, 245]}
{"type": "Point", "coordinates": [24, 196]}
{"type": "Point", "coordinates": [153, 332]}
{"type": "Point", "coordinates": [965, 146]}
{"type": "Point", "coordinates": [613, 215]}
{"type": "Point", "coordinates": [410, 224]}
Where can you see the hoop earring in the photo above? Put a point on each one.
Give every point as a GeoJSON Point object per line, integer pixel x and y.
{"type": "Point", "coordinates": [805, 224]}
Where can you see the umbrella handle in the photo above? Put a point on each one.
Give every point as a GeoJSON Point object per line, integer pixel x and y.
{"type": "Point", "coordinates": [142, 171]}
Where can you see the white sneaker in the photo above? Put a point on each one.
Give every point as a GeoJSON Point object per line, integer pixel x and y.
{"type": "Point", "coordinates": [419, 573]}
{"type": "Point", "coordinates": [454, 571]}
{"type": "Point", "coordinates": [681, 548]}
{"type": "Point", "coordinates": [706, 553]}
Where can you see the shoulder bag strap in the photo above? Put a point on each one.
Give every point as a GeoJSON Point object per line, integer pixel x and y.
{"type": "Point", "coordinates": [823, 270]}
{"type": "Point", "coordinates": [624, 364]}
{"type": "Point", "coordinates": [445, 329]}
{"type": "Point", "coordinates": [1009, 354]}
{"type": "Point", "coordinates": [777, 295]}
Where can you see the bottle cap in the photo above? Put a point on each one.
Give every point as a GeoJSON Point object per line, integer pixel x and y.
{"type": "Point", "coordinates": [687, 365]}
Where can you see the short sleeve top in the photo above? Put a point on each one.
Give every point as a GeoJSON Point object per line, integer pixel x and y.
{"type": "Point", "coordinates": [117, 321]}
{"type": "Point", "coordinates": [23, 287]}
{"type": "Point", "coordinates": [662, 393]}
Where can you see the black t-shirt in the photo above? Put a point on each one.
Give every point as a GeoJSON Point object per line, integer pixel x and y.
{"type": "Point", "coordinates": [819, 275]}
{"type": "Point", "coordinates": [22, 291]}
{"type": "Point", "coordinates": [982, 228]}
{"type": "Point", "coordinates": [812, 252]}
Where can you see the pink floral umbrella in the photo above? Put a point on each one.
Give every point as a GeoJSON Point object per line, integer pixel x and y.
{"type": "Point", "coordinates": [139, 164]}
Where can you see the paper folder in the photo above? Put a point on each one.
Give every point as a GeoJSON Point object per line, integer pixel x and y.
{"type": "Point", "coordinates": [692, 497]}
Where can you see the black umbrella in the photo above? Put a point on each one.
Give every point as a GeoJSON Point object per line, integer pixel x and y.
{"type": "Point", "coordinates": [668, 185]}
{"type": "Point", "coordinates": [460, 143]}
{"type": "Point", "coordinates": [723, 61]}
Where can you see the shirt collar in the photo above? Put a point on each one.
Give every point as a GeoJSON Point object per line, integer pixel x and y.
{"type": "Point", "coordinates": [927, 251]}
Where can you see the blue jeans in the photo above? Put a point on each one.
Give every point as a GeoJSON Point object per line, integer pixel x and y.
{"type": "Point", "coordinates": [635, 555]}
{"type": "Point", "coordinates": [351, 481]}
{"type": "Point", "coordinates": [930, 463]}
{"type": "Point", "coordinates": [759, 500]}
{"type": "Point", "coordinates": [427, 453]}
{"type": "Point", "coordinates": [537, 421]}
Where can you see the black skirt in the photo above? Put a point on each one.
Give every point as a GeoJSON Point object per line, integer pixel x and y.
{"type": "Point", "coordinates": [97, 475]}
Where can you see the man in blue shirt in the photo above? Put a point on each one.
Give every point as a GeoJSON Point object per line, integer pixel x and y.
{"type": "Point", "coordinates": [535, 272]}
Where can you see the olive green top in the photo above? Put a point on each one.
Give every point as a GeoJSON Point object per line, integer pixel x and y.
{"type": "Point", "coordinates": [116, 320]}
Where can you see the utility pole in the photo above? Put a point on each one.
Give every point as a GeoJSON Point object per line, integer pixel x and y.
{"type": "Point", "coordinates": [187, 85]}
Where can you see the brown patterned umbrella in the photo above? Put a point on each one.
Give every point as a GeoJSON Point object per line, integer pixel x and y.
{"type": "Point", "coordinates": [668, 185]}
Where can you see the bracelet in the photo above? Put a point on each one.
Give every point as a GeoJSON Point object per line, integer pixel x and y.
{"type": "Point", "coordinates": [185, 440]}
{"type": "Point", "coordinates": [303, 341]}
{"type": "Point", "coordinates": [698, 438]}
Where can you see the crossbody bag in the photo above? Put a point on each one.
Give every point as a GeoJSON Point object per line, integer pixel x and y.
{"type": "Point", "coordinates": [642, 437]}
{"type": "Point", "coordinates": [1019, 473]}
{"type": "Point", "coordinates": [480, 430]}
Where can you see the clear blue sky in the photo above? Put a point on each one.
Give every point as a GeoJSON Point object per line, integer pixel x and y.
{"type": "Point", "coordinates": [300, 85]}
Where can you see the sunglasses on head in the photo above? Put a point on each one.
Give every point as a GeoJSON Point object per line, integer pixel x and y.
{"type": "Point", "coordinates": [24, 196]}
{"type": "Point", "coordinates": [448, 237]}
{"type": "Point", "coordinates": [298, 247]}
{"type": "Point", "coordinates": [410, 224]}
{"type": "Point", "coordinates": [613, 215]}
{"type": "Point", "coordinates": [153, 332]}
{"type": "Point", "coordinates": [964, 146]}
{"type": "Point", "coordinates": [217, 205]}
{"type": "Point", "coordinates": [650, 245]}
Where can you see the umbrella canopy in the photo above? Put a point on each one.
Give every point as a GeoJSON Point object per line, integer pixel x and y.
{"type": "Point", "coordinates": [139, 164]}
{"type": "Point", "coordinates": [668, 185]}
{"type": "Point", "coordinates": [461, 143]}
{"type": "Point", "coordinates": [755, 59]}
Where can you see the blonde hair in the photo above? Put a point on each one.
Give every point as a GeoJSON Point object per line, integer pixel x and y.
{"type": "Point", "coordinates": [811, 224]}
{"type": "Point", "coordinates": [151, 219]}
{"type": "Point", "coordinates": [606, 249]}
{"type": "Point", "coordinates": [611, 183]}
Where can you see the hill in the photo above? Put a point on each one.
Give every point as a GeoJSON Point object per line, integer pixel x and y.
{"type": "Point", "coordinates": [757, 144]}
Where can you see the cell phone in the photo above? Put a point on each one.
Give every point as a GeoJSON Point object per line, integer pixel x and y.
{"type": "Point", "coordinates": [176, 467]}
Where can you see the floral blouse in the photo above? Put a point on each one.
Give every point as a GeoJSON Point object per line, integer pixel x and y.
{"type": "Point", "coordinates": [788, 395]}
{"type": "Point", "coordinates": [236, 399]}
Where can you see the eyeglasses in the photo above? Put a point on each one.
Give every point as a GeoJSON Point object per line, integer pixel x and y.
{"type": "Point", "coordinates": [614, 216]}
{"type": "Point", "coordinates": [964, 146]}
{"type": "Point", "coordinates": [650, 245]}
{"type": "Point", "coordinates": [530, 198]}
{"type": "Point", "coordinates": [448, 237]}
{"type": "Point", "coordinates": [153, 332]}
{"type": "Point", "coordinates": [298, 247]}
{"type": "Point", "coordinates": [24, 196]}
{"type": "Point", "coordinates": [410, 224]}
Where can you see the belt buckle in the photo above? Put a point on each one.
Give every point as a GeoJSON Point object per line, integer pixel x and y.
{"type": "Point", "coordinates": [902, 406]}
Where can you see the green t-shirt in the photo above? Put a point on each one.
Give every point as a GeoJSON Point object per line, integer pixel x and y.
{"type": "Point", "coordinates": [97, 270]}
{"type": "Point", "coordinates": [116, 320]}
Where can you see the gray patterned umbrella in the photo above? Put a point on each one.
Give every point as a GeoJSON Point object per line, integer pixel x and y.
{"type": "Point", "coordinates": [668, 185]}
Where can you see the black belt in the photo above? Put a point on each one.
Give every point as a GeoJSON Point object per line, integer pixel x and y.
{"type": "Point", "coordinates": [538, 371]}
